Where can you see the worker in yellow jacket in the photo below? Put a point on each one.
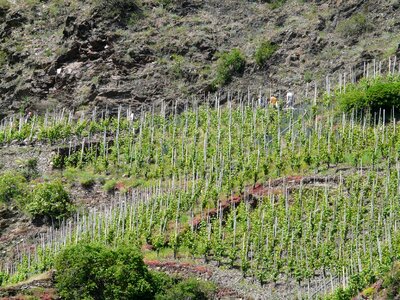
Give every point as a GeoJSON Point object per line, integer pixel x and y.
{"type": "Point", "coordinates": [273, 101]}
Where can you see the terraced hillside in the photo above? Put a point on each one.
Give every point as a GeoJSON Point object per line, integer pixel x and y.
{"type": "Point", "coordinates": [141, 156]}
{"type": "Point", "coordinates": [303, 202]}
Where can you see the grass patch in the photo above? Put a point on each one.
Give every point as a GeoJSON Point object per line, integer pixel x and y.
{"type": "Point", "coordinates": [87, 180]}
{"type": "Point", "coordinates": [308, 76]}
{"type": "Point", "coordinates": [110, 185]}
{"type": "Point", "coordinates": [12, 186]}
{"type": "Point", "coordinates": [355, 25]}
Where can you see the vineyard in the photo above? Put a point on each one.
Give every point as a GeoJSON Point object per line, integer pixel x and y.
{"type": "Point", "coordinates": [304, 202]}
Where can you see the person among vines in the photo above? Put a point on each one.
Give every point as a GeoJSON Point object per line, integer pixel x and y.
{"type": "Point", "coordinates": [273, 101]}
{"type": "Point", "coordinates": [289, 99]}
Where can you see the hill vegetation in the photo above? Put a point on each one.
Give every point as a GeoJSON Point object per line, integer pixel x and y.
{"type": "Point", "coordinates": [120, 167]}
{"type": "Point", "coordinates": [205, 183]}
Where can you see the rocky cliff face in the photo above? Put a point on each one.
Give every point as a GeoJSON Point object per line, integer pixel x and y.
{"type": "Point", "coordinates": [80, 54]}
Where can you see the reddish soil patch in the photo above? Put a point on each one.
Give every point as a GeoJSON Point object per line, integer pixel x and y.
{"type": "Point", "coordinates": [253, 193]}
{"type": "Point", "coordinates": [147, 247]}
{"type": "Point", "coordinates": [120, 186]}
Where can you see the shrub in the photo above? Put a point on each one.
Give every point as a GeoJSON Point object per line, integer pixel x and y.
{"type": "Point", "coordinates": [264, 53]}
{"type": "Point", "coordinates": [355, 25]}
{"type": "Point", "coordinates": [229, 64]}
{"type": "Point", "coordinates": [49, 200]}
{"type": "Point", "coordinates": [12, 186]}
{"type": "Point", "coordinates": [353, 99]}
{"type": "Point", "coordinates": [58, 161]}
{"type": "Point", "coordinates": [177, 65]}
{"type": "Point", "coordinates": [381, 93]}
{"type": "Point", "coordinates": [91, 271]}
{"type": "Point", "coordinates": [29, 169]}
{"type": "Point", "coordinates": [189, 289]}
{"type": "Point", "coordinates": [110, 185]}
{"type": "Point", "coordinates": [162, 282]}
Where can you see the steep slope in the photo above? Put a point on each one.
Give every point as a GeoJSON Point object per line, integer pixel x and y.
{"type": "Point", "coordinates": [80, 54]}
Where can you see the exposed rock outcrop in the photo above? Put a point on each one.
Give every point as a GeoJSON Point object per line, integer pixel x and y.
{"type": "Point", "coordinates": [142, 53]}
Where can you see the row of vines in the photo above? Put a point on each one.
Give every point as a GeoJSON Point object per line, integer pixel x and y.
{"type": "Point", "coordinates": [183, 166]}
